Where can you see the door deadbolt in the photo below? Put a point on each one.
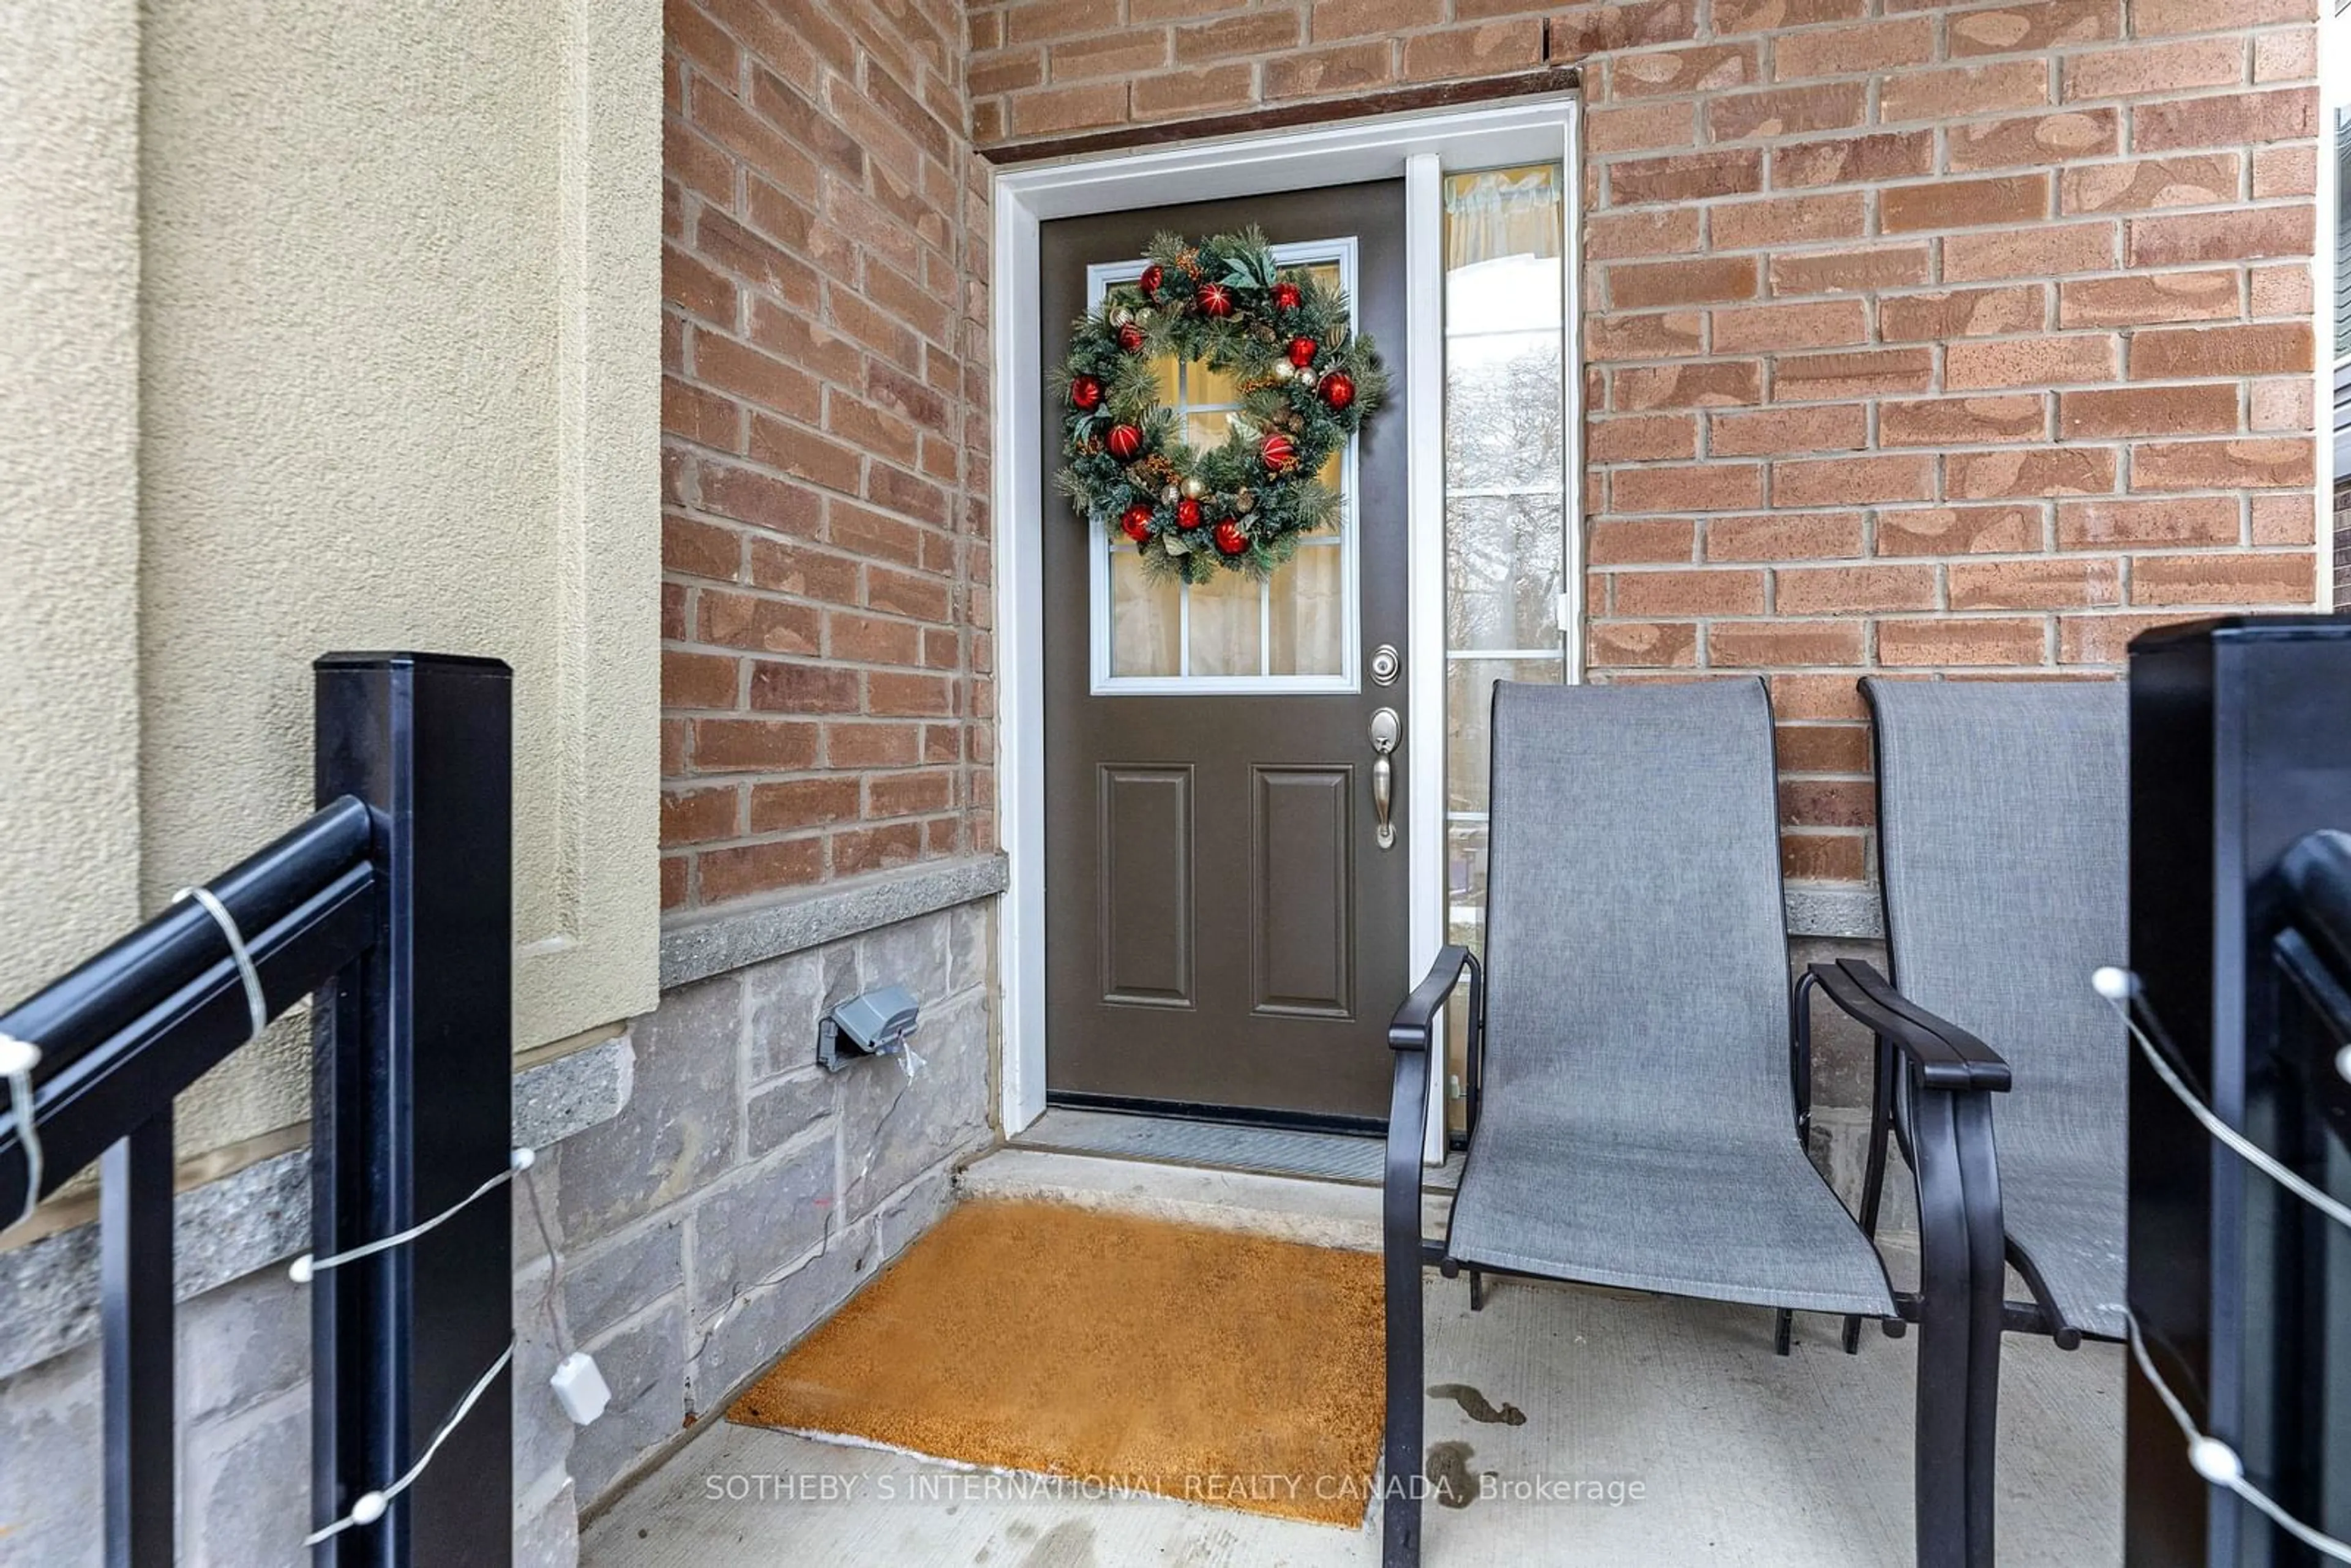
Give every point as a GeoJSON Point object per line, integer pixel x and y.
{"type": "Point", "coordinates": [1386, 662]}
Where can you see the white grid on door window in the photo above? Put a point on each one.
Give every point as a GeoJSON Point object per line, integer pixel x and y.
{"type": "Point", "coordinates": [1292, 631]}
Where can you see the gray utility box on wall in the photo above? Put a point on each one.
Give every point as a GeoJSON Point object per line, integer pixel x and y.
{"type": "Point", "coordinates": [878, 1023]}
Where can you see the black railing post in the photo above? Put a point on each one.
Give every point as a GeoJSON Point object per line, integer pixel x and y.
{"type": "Point", "coordinates": [2240, 744]}
{"type": "Point", "coordinates": [411, 1114]}
{"type": "Point", "coordinates": [135, 1284]}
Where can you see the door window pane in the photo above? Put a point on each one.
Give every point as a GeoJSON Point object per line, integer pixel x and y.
{"type": "Point", "coordinates": [1205, 430]}
{"type": "Point", "coordinates": [1168, 371]}
{"type": "Point", "coordinates": [1298, 626]}
{"type": "Point", "coordinates": [1227, 618]}
{"type": "Point", "coordinates": [1308, 613]}
{"type": "Point", "coordinates": [1146, 620]}
{"type": "Point", "coordinates": [1210, 385]}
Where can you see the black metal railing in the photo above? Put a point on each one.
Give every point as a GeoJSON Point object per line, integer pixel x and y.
{"type": "Point", "coordinates": [2307, 1343]}
{"type": "Point", "coordinates": [394, 901]}
{"type": "Point", "coordinates": [2241, 942]}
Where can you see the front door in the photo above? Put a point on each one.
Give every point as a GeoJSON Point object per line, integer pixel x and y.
{"type": "Point", "coordinates": [1224, 919]}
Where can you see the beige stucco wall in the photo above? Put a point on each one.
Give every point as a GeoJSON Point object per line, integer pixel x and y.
{"type": "Point", "coordinates": [396, 276]}
{"type": "Point", "coordinates": [68, 480]}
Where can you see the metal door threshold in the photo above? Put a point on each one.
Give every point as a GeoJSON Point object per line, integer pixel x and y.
{"type": "Point", "coordinates": [1220, 1146]}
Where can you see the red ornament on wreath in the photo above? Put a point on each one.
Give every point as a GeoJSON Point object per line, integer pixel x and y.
{"type": "Point", "coordinates": [1129, 337]}
{"type": "Point", "coordinates": [1338, 391]}
{"type": "Point", "coordinates": [1187, 513]}
{"type": "Point", "coordinates": [1216, 299]}
{"type": "Point", "coordinates": [1125, 440]}
{"type": "Point", "coordinates": [1153, 276]}
{"type": "Point", "coordinates": [1230, 538]}
{"type": "Point", "coordinates": [1279, 451]}
{"type": "Point", "coordinates": [1302, 350]}
{"type": "Point", "coordinates": [1137, 523]}
{"type": "Point", "coordinates": [1286, 296]}
{"type": "Point", "coordinates": [1085, 393]}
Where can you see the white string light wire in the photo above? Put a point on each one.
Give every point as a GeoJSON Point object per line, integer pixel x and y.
{"type": "Point", "coordinates": [2121, 989]}
{"type": "Point", "coordinates": [2209, 1456]}
{"type": "Point", "coordinates": [256, 1005]}
{"type": "Point", "coordinates": [17, 1060]}
{"type": "Point", "coordinates": [304, 1269]}
{"type": "Point", "coordinates": [2219, 1464]}
{"type": "Point", "coordinates": [19, 1057]}
{"type": "Point", "coordinates": [370, 1506]}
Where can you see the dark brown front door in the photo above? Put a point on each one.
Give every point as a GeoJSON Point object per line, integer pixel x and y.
{"type": "Point", "coordinates": [1224, 933]}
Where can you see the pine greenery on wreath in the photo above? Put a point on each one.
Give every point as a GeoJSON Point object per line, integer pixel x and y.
{"type": "Point", "coordinates": [1306, 383]}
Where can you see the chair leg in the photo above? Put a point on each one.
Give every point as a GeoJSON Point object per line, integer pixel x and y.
{"type": "Point", "coordinates": [1400, 1505]}
{"type": "Point", "coordinates": [1783, 1331]}
{"type": "Point", "coordinates": [1401, 1267]}
{"type": "Point", "coordinates": [1478, 1290]}
{"type": "Point", "coordinates": [1873, 1184]}
{"type": "Point", "coordinates": [1987, 1294]}
{"type": "Point", "coordinates": [1961, 1266]}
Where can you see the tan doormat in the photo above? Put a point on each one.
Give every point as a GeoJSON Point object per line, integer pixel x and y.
{"type": "Point", "coordinates": [1133, 1353]}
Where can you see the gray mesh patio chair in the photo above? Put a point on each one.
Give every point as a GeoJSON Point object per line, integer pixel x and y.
{"type": "Point", "coordinates": [2003, 838]}
{"type": "Point", "coordinates": [1635, 1091]}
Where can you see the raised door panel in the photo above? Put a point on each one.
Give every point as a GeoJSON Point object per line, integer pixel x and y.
{"type": "Point", "coordinates": [1145, 820]}
{"type": "Point", "coordinates": [1302, 893]}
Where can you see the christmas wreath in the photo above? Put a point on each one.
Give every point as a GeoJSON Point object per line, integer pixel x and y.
{"type": "Point", "coordinates": [1307, 382]}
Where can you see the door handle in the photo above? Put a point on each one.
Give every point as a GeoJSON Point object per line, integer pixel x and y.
{"type": "Point", "coordinates": [1387, 730]}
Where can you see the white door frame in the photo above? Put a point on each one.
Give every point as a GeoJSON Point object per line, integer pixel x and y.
{"type": "Point", "coordinates": [1420, 148]}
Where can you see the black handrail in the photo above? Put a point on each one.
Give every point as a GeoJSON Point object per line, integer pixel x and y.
{"type": "Point", "coordinates": [394, 903]}
{"type": "Point", "coordinates": [2241, 942]}
{"type": "Point", "coordinates": [2317, 871]}
{"type": "Point", "coordinates": [127, 1031]}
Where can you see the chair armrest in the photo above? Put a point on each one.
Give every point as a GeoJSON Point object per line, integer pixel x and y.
{"type": "Point", "coordinates": [1415, 1023]}
{"type": "Point", "coordinates": [1944, 1055]}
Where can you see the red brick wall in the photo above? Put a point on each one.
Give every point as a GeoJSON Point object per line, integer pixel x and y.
{"type": "Point", "coordinates": [825, 596]}
{"type": "Point", "coordinates": [1920, 337]}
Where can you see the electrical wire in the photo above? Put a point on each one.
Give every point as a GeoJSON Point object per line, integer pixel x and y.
{"type": "Point", "coordinates": [2128, 992]}
{"type": "Point", "coordinates": [305, 1267]}
{"type": "Point", "coordinates": [2218, 1463]}
{"type": "Point", "coordinates": [371, 1506]}
{"type": "Point", "coordinates": [548, 1301]}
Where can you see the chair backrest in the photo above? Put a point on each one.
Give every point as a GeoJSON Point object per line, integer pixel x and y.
{"type": "Point", "coordinates": [1635, 936]}
{"type": "Point", "coordinates": [2003, 839]}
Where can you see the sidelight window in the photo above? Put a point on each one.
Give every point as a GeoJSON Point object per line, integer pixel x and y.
{"type": "Point", "coordinates": [1508, 614]}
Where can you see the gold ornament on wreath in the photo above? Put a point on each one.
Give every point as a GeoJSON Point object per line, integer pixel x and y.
{"type": "Point", "coordinates": [1306, 383]}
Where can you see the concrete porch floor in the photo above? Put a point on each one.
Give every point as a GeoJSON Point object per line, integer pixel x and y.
{"type": "Point", "coordinates": [1740, 1457]}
